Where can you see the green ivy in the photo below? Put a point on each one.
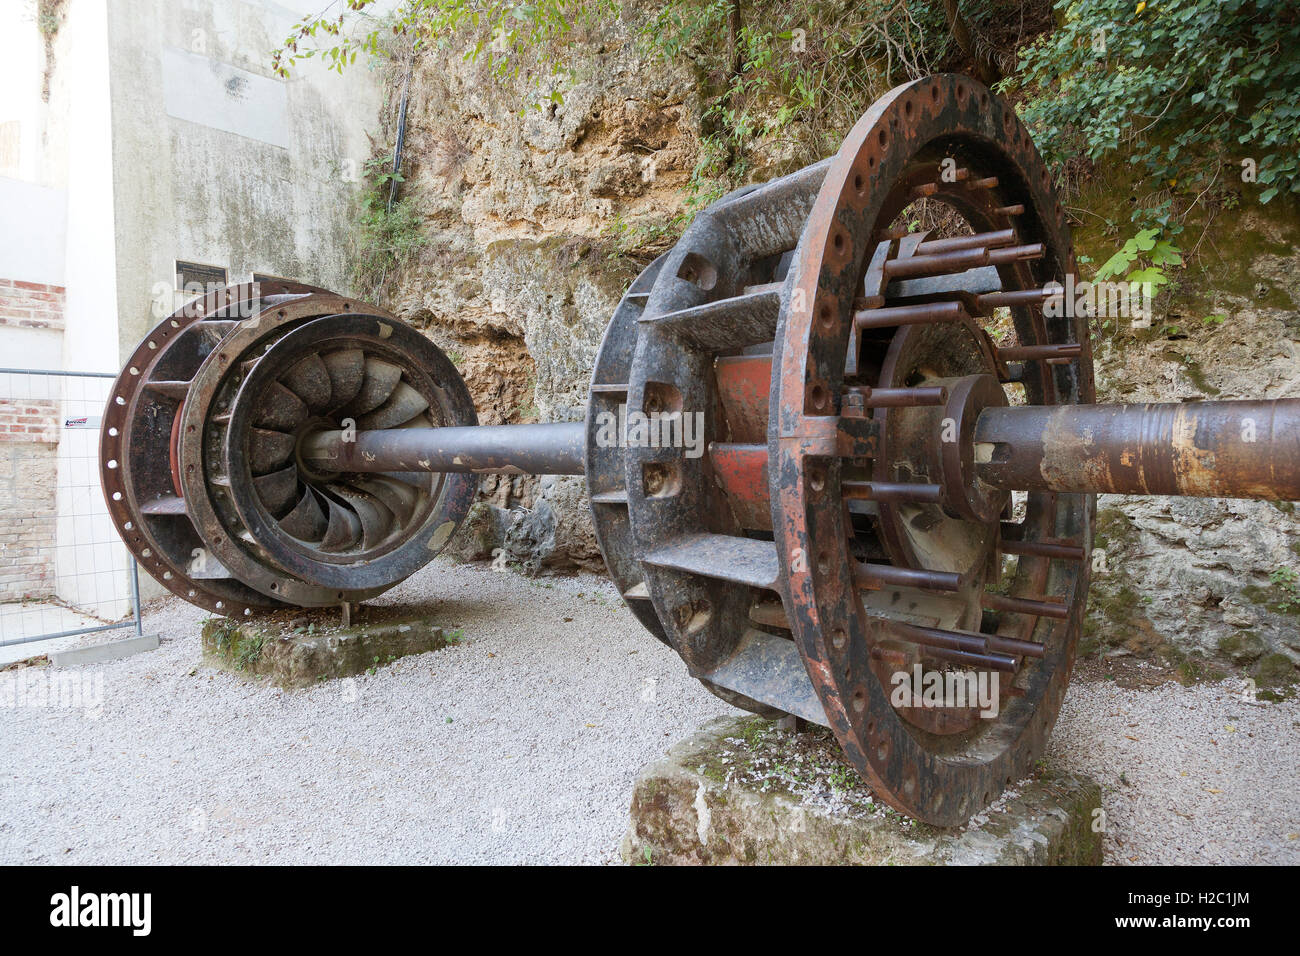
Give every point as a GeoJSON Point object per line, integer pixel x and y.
{"type": "Point", "coordinates": [386, 237]}
{"type": "Point", "coordinates": [1150, 254]}
{"type": "Point", "coordinates": [507, 36]}
{"type": "Point", "coordinates": [1188, 90]}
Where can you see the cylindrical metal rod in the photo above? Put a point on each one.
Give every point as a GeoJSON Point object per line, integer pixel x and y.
{"type": "Point", "coordinates": [1016, 297]}
{"type": "Point", "coordinates": [1031, 606]}
{"type": "Point", "coordinates": [1248, 449]}
{"type": "Point", "coordinates": [891, 491]}
{"type": "Point", "coordinates": [1027, 353]}
{"type": "Point", "coordinates": [939, 264]}
{"type": "Point", "coordinates": [925, 314]}
{"type": "Point", "coordinates": [873, 577]}
{"type": "Point", "coordinates": [1003, 237]}
{"type": "Point", "coordinates": [1042, 549]}
{"type": "Point", "coordinates": [1000, 257]}
{"type": "Point", "coordinates": [900, 397]}
{"type": "Point", "coordinates": [967, 641]}
{"type": "Point", "coordinates": [555, 449]}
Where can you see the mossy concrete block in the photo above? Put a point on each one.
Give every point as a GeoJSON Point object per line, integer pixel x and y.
{"type": "Point", "coordinates": [305, 655]}
{"type": "Point", "coordinates": [739, 791]}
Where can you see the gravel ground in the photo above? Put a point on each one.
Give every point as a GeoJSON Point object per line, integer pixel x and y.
{"type": "Point", "coordinates": [520, 745]}
{"type": "Point", "coordinates": [1188, 774]}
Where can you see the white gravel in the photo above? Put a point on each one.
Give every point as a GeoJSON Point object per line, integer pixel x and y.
{"type": "Point", "coordinates": [520, 745]}
{"type": "Point", "coordinates": [1189, 775]}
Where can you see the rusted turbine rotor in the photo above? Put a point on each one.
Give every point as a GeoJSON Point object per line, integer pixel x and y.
{"type": "Point", "coordinates": [200, 458]}
{"type": "Point", "coordinates": [831, 510]}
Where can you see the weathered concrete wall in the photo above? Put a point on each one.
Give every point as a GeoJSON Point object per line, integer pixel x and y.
{"type": "Point", "coordinates": [216, 161]}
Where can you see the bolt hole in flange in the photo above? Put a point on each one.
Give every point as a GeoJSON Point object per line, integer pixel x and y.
{"type": "Point", "coordinates": [698, 270]}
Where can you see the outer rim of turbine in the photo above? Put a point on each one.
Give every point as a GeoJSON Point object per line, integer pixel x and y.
{"type": "Point", "coordinates": [121, 442]}
{"type": "Point", "coordinates": [829, 625]}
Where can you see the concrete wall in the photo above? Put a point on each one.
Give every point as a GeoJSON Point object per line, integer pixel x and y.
{"type": "Point", "coordinates": [220, 163]}
{"type": "Point", "coordinates": [216, 161]}
{"type": "Point", "coordinates": [22, 146]}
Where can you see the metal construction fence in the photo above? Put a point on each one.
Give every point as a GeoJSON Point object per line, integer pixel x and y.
{"type": "Point", "coordinates": [63, 569]}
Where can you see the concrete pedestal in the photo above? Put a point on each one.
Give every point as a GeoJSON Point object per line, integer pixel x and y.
{"type": "Point", "coordinates": [302, 650]}
{"type": "Point", "coordinates": [742, 791]}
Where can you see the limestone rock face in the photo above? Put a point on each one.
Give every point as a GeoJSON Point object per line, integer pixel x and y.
{"type": "Point", "coordinates": [1208, 583]}
{"type": "Point", "coordinates": [532, 213]}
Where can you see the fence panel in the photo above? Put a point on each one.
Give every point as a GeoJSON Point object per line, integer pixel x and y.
{"type": "Point", "coordinates": [63, 569]}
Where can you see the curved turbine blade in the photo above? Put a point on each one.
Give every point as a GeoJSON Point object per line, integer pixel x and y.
{"type": "Point", "coordinates": [344, 528]}
{"type": "Point", "coordinates": [403, 405]}
{"type": "Point", "coordinates": [306, 521]}
{"type": "Point", "coordinates": [267, 450]}
{"type": "Point", "coordinates": [347, 370]}
{"type": "Point", "coordinates": [381, 379]}
{"type": "Point", "coordinates": [279, 409]}
{"type": "Point", "coordinates": [400, 498]}
{"type": "Point", "coordinates": [310, 380]}
{"type": "Point", "coordinates": [376, 519]}
{"type": "Point", "coordinates": [278, 489]}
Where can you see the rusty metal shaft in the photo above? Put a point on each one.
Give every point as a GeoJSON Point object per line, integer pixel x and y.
{"type": "Point", "coordinates": [1247, 449]}
{"type": "Point", "coordinates": [552, 449]}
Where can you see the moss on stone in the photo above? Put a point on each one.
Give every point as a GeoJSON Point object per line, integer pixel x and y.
{"type": "Point", "coordinates": [1276, 671]}
{"type": "Point", "coordinates": [1243, 647]}
{"type": "Point", "coordinates": [1192, 369]}
{"type": "Point", "coordinates": [1114, 531]}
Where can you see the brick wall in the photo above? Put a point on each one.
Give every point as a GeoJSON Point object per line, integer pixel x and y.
{"type": "Point", "coordinates": [31, 305]}
{"type": "Point", "coordinates": [29, 420]}
{"type": "Point", "coordinates": [29, 433]}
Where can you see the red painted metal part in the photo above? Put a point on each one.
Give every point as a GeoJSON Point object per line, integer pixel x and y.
{"type": "Point", "coordinates": [745, 388]}
{"type": "Point", "coordinates": [741, 472]}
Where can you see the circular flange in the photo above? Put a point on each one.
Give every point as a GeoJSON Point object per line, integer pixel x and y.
{"type": "Point", "coordinates": [936, 773]}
